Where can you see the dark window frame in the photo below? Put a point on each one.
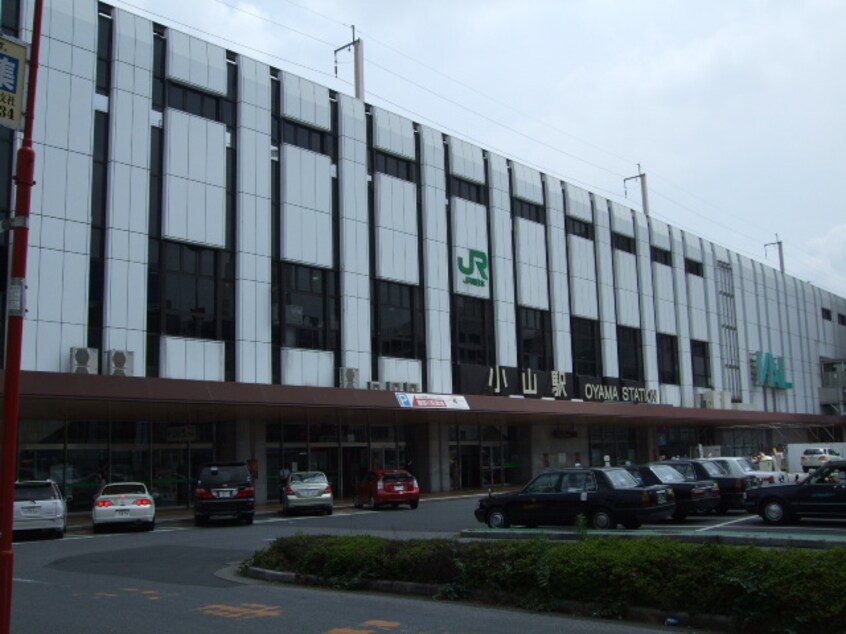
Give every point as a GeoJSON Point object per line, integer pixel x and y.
{"type": "Point", "coordinates": [105, 41]}
{"type": "Point", "coordinates": [700, 363]}
{"type": "Point", "coordinates": [398, 320]}
{"type": "Point", "coordinates": [623, 243]}
{"type": "Point", "coordinates": [587, 347]}
{"type": "Point", "coordinates": [629, 353]}
{"type": "Point", "coordinates": [467, 190]}
{"type": "Point", "coordinates": [661, 256]}
{"type": "Point", "coordinates": [528, 211]}
{"type": "Point", "coordinates": [473, 328]}
{"type": "Point", "coordinates": [841, 319]}
{"type": "Point", "coordinates": [534, 332]}
{"type": "Point", "coordinates": [668, 358]}
{"type": "Point", "coordinates": [314, 291]}
{"type": "Point", "coordinates": [307, 137]}
{"type": "Point", "coordinates": [826, 314]}
{"type": "Point", "coordinates": [579, 228]}
{"type": "Point", "coordinates": [395, 166]}
{"type": "Point", "coordinates": [693, 267]}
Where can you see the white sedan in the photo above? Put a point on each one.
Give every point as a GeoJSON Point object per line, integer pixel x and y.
{"type": "Point", "coordinates": [124, 503]}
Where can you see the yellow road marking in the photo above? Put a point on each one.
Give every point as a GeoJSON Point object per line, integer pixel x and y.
{"type": "Point", "coordinates": [243, 611]}
{"type": "Point", "coordinates": [378, 623]}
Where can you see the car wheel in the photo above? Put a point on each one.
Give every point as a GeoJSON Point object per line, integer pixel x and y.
{"type": "Point", "coordinates": [200, 520]}
{"type": "Point", "coordinates": [603, 519]}
{"type": "Point", "coordinates": [633, 524]}
{"type": "Point", "coordinates": [150, 525]}
{"type": "Point", "coordinates": [248, 518]}
{"type": "Point", "coordinates": [60, 533]}
{"type": "Point", "coordinates": [413, 505]}
{"type": "Point", "coordinates": [498, 519]}
{"type": "Point", "coordinates": [329, 510]}
{"type": "Point", "coordinates": [97, 528]}
{"type": "Point", "coordinates": [806, 469]}
{"type": "Point", "coordinates": [773, 511]}
{"type": "Point", "coordinates": [372, 503]}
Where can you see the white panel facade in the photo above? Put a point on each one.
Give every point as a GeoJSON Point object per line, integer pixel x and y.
{"type": "Point", "coordinates": [577, 203]}
{"type": "Point", "coordinates": [665, 308]}
{"type": "Point", "coordinates": [308, 367]}
{"type": "Point", "coordinates": [253, 233]}
{"type": "Point", "coordinates": [355, 242]}
{"type": "Point", "coordinates": [193, 359]}
{"type": "Point", "coordinates": [502, 262]}
{"type": "Point", "coordinates": [60, 208]}
{"type": "Point", "coordinates": [466, 161]}
{"type": "Point", "coordinates": [395, 210]}
{"type": "Point", "coordinates": [435, 262]}
{"type": "Point", "coordinates": [627, 294]}
{"type": "Point", "coordinates": [393, 133]}
{"type": "Point", "coordinates": [682, 319]}
{"type": "Point", "coordinates": [647, 301]}
{"type": "Point", "coordinates": [584, 301]}
{"type": "Point", "coordinates": [712, 317]}
{"type": "Point", "coordinates": [306, 226]}
{"type": "Point", "coordinates": [127, 208]}
{"type": "Point", "coordinates": [195, 62]}
{"type": "Point", "coordinates": [195, 181]}
{"type": "Point", "coordinates": [526, 183]}
{"type": "Point", "coordinates": [605, 287]}
{"type": "Point", "coordinates": [306, 101]}
{"type": "Point", "coordinates": [559, 300]}
{"type": "Point", "coordinates": [400, 370]}
{"type": "Point", "coordinates": [469, 225]}
{"type": "Point", "coordinates": [532, 277]}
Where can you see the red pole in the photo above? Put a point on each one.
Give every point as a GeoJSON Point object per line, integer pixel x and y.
{"type": "Point", "coordinates": [16, 308]}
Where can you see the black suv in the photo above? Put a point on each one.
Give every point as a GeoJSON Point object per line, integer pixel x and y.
{"type": "Point", "coordinates": [224, 489]}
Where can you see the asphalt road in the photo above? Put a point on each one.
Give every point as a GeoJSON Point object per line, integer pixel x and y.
{"type": "Point", "coordinates": [179, 578]}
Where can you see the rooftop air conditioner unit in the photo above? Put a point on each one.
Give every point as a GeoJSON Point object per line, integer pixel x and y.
{"type": "Point", "coordinates": [708, 399]}
{"type": "Point", "coordinates": [395, 386]}
{"type": "Point", "coordinates": [84, 360]}
{"type": "Point", "coordinates": [374, 385]}
{"type": "Point", "coordinates": [348, 378]}
{"type": "Point", "coordinates": [120, 362]}
{"type": "Point", "coordinates": [412, 387]}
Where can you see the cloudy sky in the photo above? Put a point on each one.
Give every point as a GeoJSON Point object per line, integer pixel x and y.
{"type": "Point", "coordinates": [733, 108]}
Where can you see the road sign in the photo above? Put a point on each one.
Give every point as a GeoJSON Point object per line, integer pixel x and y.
{"type": "Point", "coordinates": [13, 58]}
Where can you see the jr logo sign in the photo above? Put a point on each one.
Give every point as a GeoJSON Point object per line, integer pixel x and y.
{"type": "Point", "coordinates": [770, 371]}
{"type": "Point", "coordinates": [476, 268]}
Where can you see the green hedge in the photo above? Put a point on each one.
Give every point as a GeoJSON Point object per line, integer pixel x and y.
{"type": "Point", "coordinates": [761, 590]}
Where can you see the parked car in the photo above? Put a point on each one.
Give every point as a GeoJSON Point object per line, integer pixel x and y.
{"type": "Point", "coordinates": [742, 467]}
{"type": "Point", "coordinates": [387, 486]}
{"type": "Point", "coordinates": [731, 486]}
{"type": "Point", "coordinates": [693, 497]}
{"type": "Point", "coordinates": [307, 491]}
{"type": "Point", "coordinates": [124, 503]}
{"type": "Point", "coordinates": [604, 496]}
{"type": "Point", "coordinates": [224, 489]}
{"type": "Point", "coordinates": [821, 494]}
{"type": "Point", "coordinates": [817, 457]}
{"type": "Point", "coordinates": [39, 506]}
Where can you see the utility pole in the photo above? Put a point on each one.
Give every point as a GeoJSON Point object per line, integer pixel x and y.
{"type": "Point", "coordinates": [15, 312]}
{"type": "Point", "coordinates": [358, 59]}
{"type": "Point", "coordinates": [643, 191]}
{"type": "Point", "coordinates": [780, 252]}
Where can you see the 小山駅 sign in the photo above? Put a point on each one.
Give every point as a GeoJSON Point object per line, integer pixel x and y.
{"type": "Point", "coordinates": [13, 57]}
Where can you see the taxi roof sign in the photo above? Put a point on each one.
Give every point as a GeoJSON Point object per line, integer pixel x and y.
{"type": "Point", "coordinates": [13, 65]}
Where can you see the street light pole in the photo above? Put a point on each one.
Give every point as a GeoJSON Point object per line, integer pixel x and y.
{"type": "Point", "coordinates": [15, 311]}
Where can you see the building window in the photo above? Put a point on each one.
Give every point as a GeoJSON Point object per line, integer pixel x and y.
{"type": "Point", "coordinates": [587, 360]}
{"type": "Point", "coordinates": [193, 101]}
{"type": "Point", "coordinates": [97, 253]}
{"type": "Point", "coordinates": [474, 331]}
{"type": "Point", "coordinates": [474, 192]}
{"type": "Point", "coordinates": [198, 292]}
{"type": "Point", "coordinates": [668, 359]}
{"type": "Point", "coordinates": [308, 316]}
{"type": "Point", "coordinates": [580, 228]}
{"type": "Point", "coordinates": [394, 166]}
{"type": "Point", "coordinates": [534, 333]}
{"type": "Point", "coordinates": [629, 353]}
{"type": "Point", "coordinates": [104, 49]}
{"type": "Point", "coordinates": [693, 267]}
{"type": "Point", "coordinates": [527, 210]}
{"type": "Point", "coordinates": [662, 256]}
{"type": "Point", "coordinates": [841, 319]}
{"type": "Point", "coordinates": [10, 18]}
{"type": "Point", "coordinates": [306, 137]}
{"type": "Point", "coordinates": [159, 79]}
{"type": "Point", "coordinates": [398, 327]}
{"type": "Point", "coordinates": [826, 314]}
{"type": "Point", "coordinates": [623, 243]}
{"type": "Point", "coordinates": [701, 363]}
{"type": "Point", "coordinates": [729, 346]}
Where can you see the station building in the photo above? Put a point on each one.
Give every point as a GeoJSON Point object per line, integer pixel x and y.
{"type": "Point", "coordinates": [228, 261]}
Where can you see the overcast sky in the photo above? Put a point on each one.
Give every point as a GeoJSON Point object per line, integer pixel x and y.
{"type": "Point", "coordinates": [734, 108]}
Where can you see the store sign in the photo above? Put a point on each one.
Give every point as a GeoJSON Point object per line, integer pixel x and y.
{"type": "Point", "coordinates": [415, 400]}
{"type": "Point", "coordinates": [13, 57]}
{"type": "Point", "coordinates": [769, 371]}
{"type": "Point", "coordinates": [475, 268]}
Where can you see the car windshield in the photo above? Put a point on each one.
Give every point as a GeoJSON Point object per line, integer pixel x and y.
{"type": "Point", "coordinates": [666, 473]}
{"type": "Point", "coordinates": [397, 476]}
{"type": "Point", "coordinates": [714, 470]}
{"type": "Point", "coordinates": [308, 478]}
{"type": "Point", "coordinates": [34, 493]}
{"type": "Point", "coordinates": [124, 489]}
{"type": "Point", "coordinates": [686, 470]}
{"type": "Point", "coordinates": [747, 466]}
{"type": "Point", "coordinates": [215, 476]}
{"type": "Point", "coordinates": [621, 479]}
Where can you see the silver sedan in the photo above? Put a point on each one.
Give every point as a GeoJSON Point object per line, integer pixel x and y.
{"type": "Point", "coordinates": [307, 490]}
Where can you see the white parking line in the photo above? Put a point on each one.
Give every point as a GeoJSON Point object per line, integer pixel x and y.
{"type": "Point", "coordinates": [729, 523]}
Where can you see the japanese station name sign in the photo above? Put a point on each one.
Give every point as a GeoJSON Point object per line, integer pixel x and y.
{"type": "Point", "coordinates": [13, 60]}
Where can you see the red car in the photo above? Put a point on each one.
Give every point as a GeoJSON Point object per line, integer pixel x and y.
{"type": "Point", "coordinates": [387, 486]}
